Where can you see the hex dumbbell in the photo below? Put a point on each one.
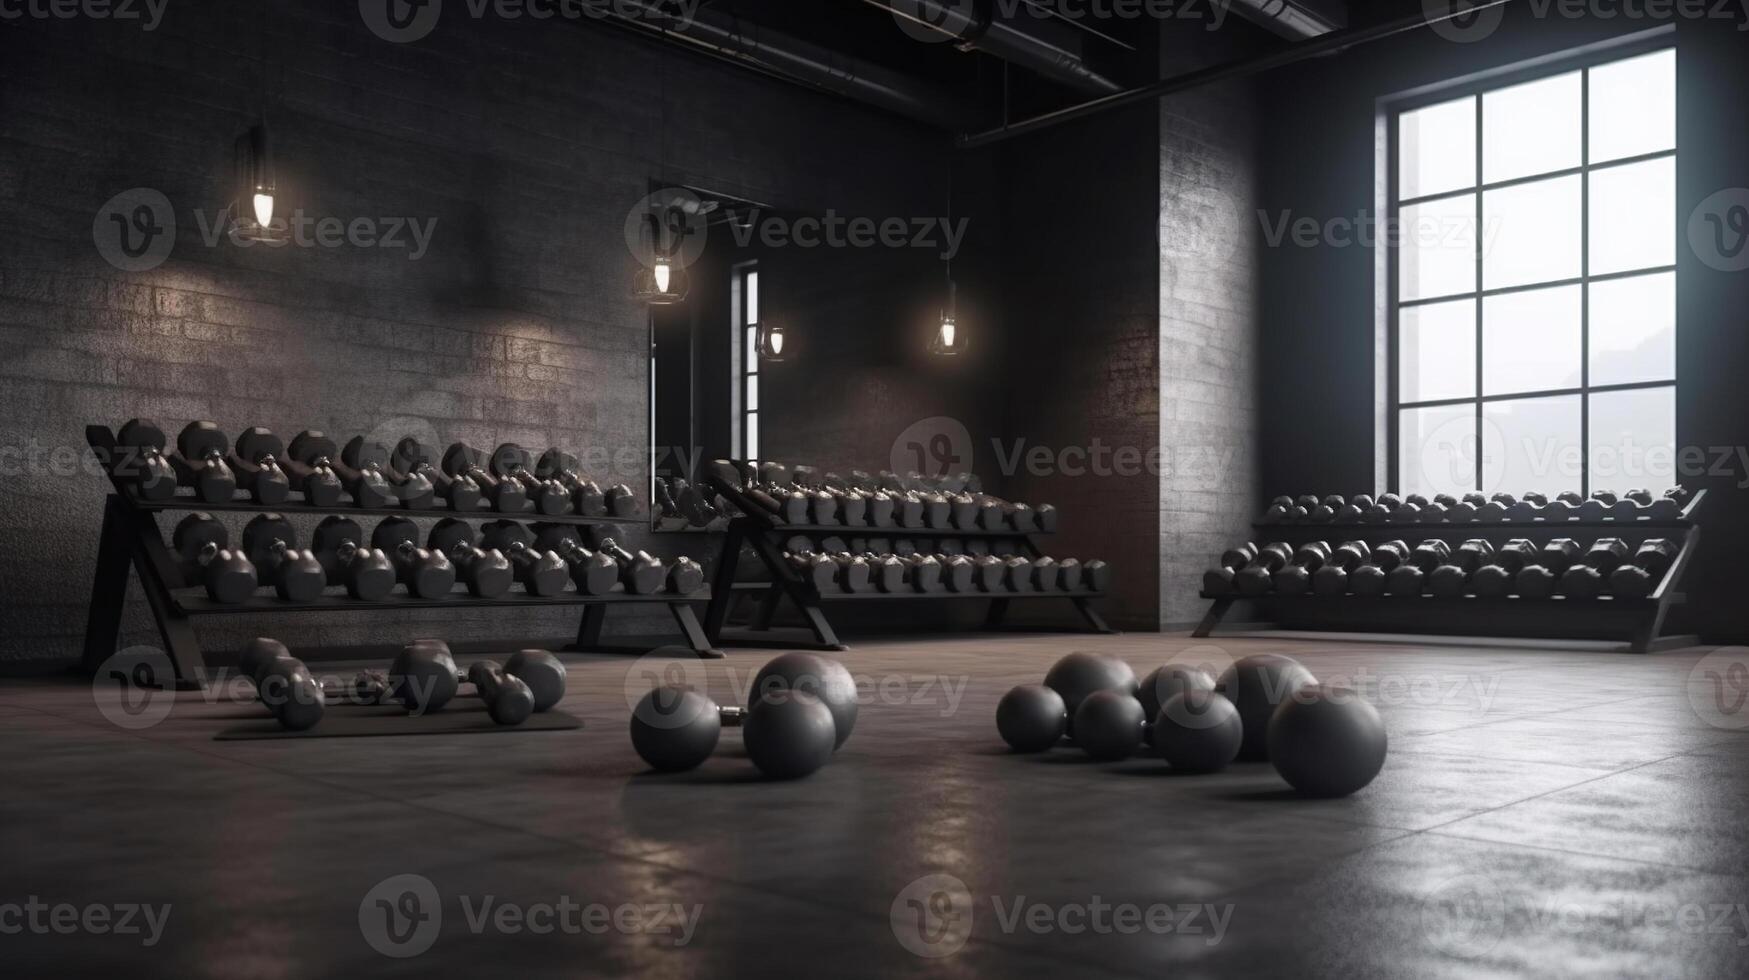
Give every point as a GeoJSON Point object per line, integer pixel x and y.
{"type": "Point", "coordinates": [203, 547]}
{"type": "Point", "coordinates": [270, 543]}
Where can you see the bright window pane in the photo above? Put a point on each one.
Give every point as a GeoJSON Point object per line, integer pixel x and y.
{"type": "Point", "coordinates": [1436, 149]}
{"type": "Point", "coordinates": [1531, 444]}
{"type": "Point", "coordinates": [1436, 351]}
{"type": "Point", "coordinates": [1531, 233]}
{"type": "Point", "coordinates": [1633, 329]}
{"type": "Point", "coordinates": [1633, 106]}
{"type": "Point", "coordinates": [752, 297]}
{"type": "Point", "coordinates": [1633, 217]}
{"type": "Point", "coordinates": [1531, 341]}
{"type": "Point", "coordinates": [1437, 256]}
{"type": "Point", "coordinates": [753, 393]}
{"type": "Point", "coordinates": [1532, 128]}
{"type": "Point", "coordinates": [1633, 439]}
{"type": "Point", "coordinates": [753, 436]}
{"type": "Point", "coordinates": [1436, 449]}
{"type": "Point", "coordinates": [753, 347]}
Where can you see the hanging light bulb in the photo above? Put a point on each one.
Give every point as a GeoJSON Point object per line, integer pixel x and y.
{"type": "Point", "coordinates": [948, 339]}
{"type": "Point", "coordinates": [663, 282]}
{"type": "Point", "coordinates": [252, 209]}
{"type": "Point", "coordinates": [770, 342]}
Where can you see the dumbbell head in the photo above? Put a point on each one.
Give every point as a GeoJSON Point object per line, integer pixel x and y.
{"type": "Point", "coordinates": [1367, 580]}
{"type": "Point", "coordinates": [200, 440]}
{"type": "Point", "coordinates": [285, 686]}
{"type": "Point", "coordinates": [361, 454]}
{"type": "Point", "coordinates": [505, 535]}
{"type": "Point", "coordinates": [199, 533]}
{"type": "Point", "coordinates": [509, 458]}
{"type": "Point", "coordinates": [508, 700]}
{"type": "Point", "coordinates": [1405, 579]}
{"type": "Point", "coordinates": [1491, 580]}
{"type": "Point", "coordinates": [265, 535]}
{"type": "Point", "coordinates": [675, 728]}
{"type": "Point", "coordinates": [141, 434]}
{"type": "Point", "coordinates": [458, 459]}
{"type": "Point", "coordinates": [1447, 580]}
{"type": "Point", "coordinates": [409, 455]}
{"type": "Point", "coordinates": [448, 534]}
{"type": "Point", "coordinates": [311, 446]}
{"type": "Point", "coordinates": [1292, 580]}
{"type": "Point", "coordinates": [1331, 579]}
{"type": "Point", "coordinates": [335, 542]}
{"type": "Point", "coordinates": [555, 462]}
{"type": "Point", "coordinates": [544, 674]}
{"type": "Point", "coordinates": [257, 443]}
{"type": "Point", "coordinates": [392, 532]}
{"type": "Point", "coordinates": [423, 676]}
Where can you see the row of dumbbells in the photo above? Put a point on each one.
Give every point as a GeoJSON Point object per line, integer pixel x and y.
{"type": "Point", "coordinates": [362, 473]}
{"type": "Point", "coordinates": [832, 565]}
{"type": "Point", "coordinates": [544, 560]}
{"type": "Point", "coordinates": [804, 495]}
{"type": "Point", "coordinates": [1389, 508]}
{"type": "Point", "coordinates": [1433, 567]}
{"type": "Point", "coordinates": [680, 503]}
{"type": "Point", "coordinates": [422, 678]}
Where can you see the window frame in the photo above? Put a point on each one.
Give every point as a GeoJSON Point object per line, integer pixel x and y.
{"type": "Point", "coordinates": [746, 360]}
{"type": "Point", "coordinates": [1475, 87]}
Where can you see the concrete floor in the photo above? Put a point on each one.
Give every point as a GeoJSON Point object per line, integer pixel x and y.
{"type": "Point", "coordinates": [1541, 813]}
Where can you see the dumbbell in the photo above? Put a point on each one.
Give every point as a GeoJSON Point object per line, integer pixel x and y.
{"type": "Point", "coordinates": [1586, 578]}
{"type": "Point", "coordinates": [1407, 512]}
{"type": "Point", "coordinates": [310, 464]}
{"type": "Point", "coordinates": [541, 571]}
{"type": "Point", "coordinates": [803, 708]}
{"type": "Point", "coordinates": [1368, 580]}
{"type": "Point", "coordinates": [685, 576]}
{"type": "Point", "coordinates": [1558, 555]}
{"type": "Point", "coordinates": [587, 497]}
{"type": "Point", "coordinates": [943, 573]}
{"type": "Point", "coordinates": [641, 573]}
{"type": "Point", "coordinates": [621, 502]}
{"type": "Point", "coordinates": [140, 461]}
{"type": "Point", "coordinates": [1598, 505]}
{"type": "Point", "coordinates": [283, 684]}
{"type": "Point", "coordinates": [512, 462]}
{"type": "Point", "coordinates": [338, 544]}
{"type": "Point", "coordinates": [1650, 564]}
{"type": "Point", "coordinates": [1559, 510]}
{"type": "Point", "coordinates": [1430, 554]}
{"type": "Point", "coordinates": [423, 677]}
{"type": "Point", "coordinates": [199, 462]}
{"type": "Point", "coordinates": [1498, 574]}
{"type": "Point", "coordinates": [254, 461]}
{"type": "Point", "coordinates": [1389, 554]}
{"type": "Point", "coordinates": [1454, 575]}
{"type": "Point", "coordinates": [361, 469]}
{"type": "Point", "coordinates": [427, 573]}
{"type": "Point", "coordinates": [854, 572]}
{"type": "Point", "coordinates": [1257, 577]}
{"type": "Point", "coordinates": [270, 544]}
{"type": "Point", "coordinates": [203, 546]}
{"type": "Point", "coordinates": [1295, 578]}
{"type": "Point", "coordinates": [1406, 579]}
{"type": "Point", "coordinates": [592, 572]}
{"type": "Point", "coordinates": [408, 471]}
{"type": "Point", "coordinates": [1669, 506]}
{"type": "Point", "coordinates": [693, 505]}
{"type": "Point", "coordinates": [505, 496]}
{"type": "Point", "coordinates": [486, 573]}
{"type": "Point", "coordinates": [1331, 578]}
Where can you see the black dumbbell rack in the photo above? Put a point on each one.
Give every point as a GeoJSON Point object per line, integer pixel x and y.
{"type": "Point", "coordinates": [131, 538]}
{"type": "Point", "coordinates": [766, 536]}
{"type": "Point", "coordinates": [1638, 622]}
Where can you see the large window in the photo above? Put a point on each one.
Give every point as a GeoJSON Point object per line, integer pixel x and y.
{"type": "Point", "coordinates": [1533, 283]}
{"type": "Point", "coordinates": [746, 360]}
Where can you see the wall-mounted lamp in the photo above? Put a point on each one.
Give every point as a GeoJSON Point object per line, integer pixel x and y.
{"type": "Point", "coordinates": [252, 208]}
{"type": "Point", "coordinates": [771, 342]}
{"type": "Point", "coordinates": [949, 339]}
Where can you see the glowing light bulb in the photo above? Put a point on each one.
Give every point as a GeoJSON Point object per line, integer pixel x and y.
{"type": "Point", "coordinates": [664, 275]}
{"type": "Point", "coordinates": [263, 209]}
{"type": "Point", "coordinates": [777, 341]}
{"type": "Point", "coordinates": [947, 334]}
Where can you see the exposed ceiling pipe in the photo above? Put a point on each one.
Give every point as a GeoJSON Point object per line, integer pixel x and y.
{"type": "Point", "coordinates": [750, 45]}
{"type": "Point", "coordinates": [1285, 17]}
{"type": "Point", "coordinates": [1329, 44]}
{"type": "Point", "coordinates": [975, 27]}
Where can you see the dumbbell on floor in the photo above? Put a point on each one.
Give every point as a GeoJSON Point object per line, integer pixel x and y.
{"type": "Point", "coordinates": [203, 547]}
{"type": "Point", "coordinates": [423, 677]}
{"type": "Point", "coordinates": [283, 684]}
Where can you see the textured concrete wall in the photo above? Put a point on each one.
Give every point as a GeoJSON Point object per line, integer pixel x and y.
{"type": "Point", "coordinates": [527, 142]}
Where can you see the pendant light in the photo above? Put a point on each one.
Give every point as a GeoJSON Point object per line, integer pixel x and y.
{"type": "Point", "coordinates": [256, 188]}
{"type": "Point", "coordinates": [664, 281]}
{"type": "Point", "coordinates": [770, 341]}
{"type": "Point", "coordinates": [949, 338]}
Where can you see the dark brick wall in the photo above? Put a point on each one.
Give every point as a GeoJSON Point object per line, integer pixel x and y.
{"type": "Point", "coordinates": [527, 142]}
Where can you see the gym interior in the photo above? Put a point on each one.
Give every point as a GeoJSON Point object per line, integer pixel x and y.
{"type": "Point", "coordinates": [885, 487]}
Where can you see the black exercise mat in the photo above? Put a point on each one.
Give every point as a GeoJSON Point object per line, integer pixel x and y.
{"type": "Point", "coordinates": [351, 721]}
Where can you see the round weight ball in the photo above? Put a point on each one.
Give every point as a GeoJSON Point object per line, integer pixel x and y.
{"type": "Point", "coordinates": [1327, 742]}
{"type": "Point", "coordinates": [1198, 731]}
{"type": "Point", "coordinates": [1108, 725]}
{"type": "Point", "coordinates": [1257, 685]}
{"type": "Point", "coordinates": [789, 734]}
{"type": "Point", "coordinates": [1080, 674]}
{"type": "Point", "coordinates": [1031, 718]}
{"type": "Point", "coordinates": [1163, 683]}
{"type": "Point", "coordinates": [826, 679]}
{"type": "Point", "coordinates": [675, 728]}
{"type": "Point", "coordinates": [542, 672]}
